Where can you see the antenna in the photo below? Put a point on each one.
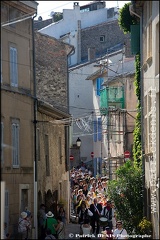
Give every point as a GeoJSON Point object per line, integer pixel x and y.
{"type": "Point", "coordinates": [117, 5]}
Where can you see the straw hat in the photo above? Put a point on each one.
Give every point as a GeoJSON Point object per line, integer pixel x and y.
{"type": "Point", "coordinates": [50, 214]}
{"type": "Point", "coordinates": [23, 214]}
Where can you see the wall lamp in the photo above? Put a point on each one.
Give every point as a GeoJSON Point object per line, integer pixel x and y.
{"type": "Point", "coordinates": [78, 142]}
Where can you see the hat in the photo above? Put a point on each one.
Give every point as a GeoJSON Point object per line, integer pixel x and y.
{"type": "Point", "coordinates": [50, 214]}
{"type": "Point", "coordinates": [23, 214]}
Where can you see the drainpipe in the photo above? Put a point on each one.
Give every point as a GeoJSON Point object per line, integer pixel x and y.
{"type": "Point", "coordinates": [141, 101]}
{"type": "Point", "coordinates": [35, 135]}
{"type": "Point", "coordinates": [67, 136]}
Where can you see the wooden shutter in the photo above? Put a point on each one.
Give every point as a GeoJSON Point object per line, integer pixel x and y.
{"type": "Point", "coordinates": [6, 216]}
{"type": "Point", "coordinates": [13, 67]}
{"type": "Point", "coordinates": [2, 142]}
{"type": "Point", "coordinates": [15, 145]}
{"type": "Point", "coordinates": [99, 129]}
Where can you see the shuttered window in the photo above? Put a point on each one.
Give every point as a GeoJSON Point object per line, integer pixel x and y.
{"type": "Point", "coordinates": [2, 142]}
{"type": "Point", "coordinates": [13, 67]}
{"type": "Point", "coordinates": [15, 145]}
{"type": "Point", "coordinates": [6, 209]}
{"type": "Point", "coordinates": [99, 83]}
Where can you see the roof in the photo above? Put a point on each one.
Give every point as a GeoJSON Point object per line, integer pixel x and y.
{"type": "Point", "coordinates": [97, 74]}
{"type": "Point", "coordinates": [38, 24]}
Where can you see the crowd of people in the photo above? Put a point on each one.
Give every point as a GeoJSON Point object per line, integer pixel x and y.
{"type": "Point", "coordinates": [49, 226]}
{"type": "Point", "coordinates": [95, 212]}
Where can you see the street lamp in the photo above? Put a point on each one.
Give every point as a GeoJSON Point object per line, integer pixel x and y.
{"type": "Point", "coordinates": [78, 142]}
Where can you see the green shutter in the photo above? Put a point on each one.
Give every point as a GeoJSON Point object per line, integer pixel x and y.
{"type": "Point", "coordinates": [135, 39]}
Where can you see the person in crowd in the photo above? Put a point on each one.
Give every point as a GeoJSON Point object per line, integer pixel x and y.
{"type": "Point", "coordinates": [62, 213]}
{"type": "Point", "coordinates": [120, 232]}
{"type": "Point", "coordinates": [49, 234]}
{"type": "Point", "coordinates": [29, 218]}
{"type": "Point", "coordinates": [83, 213]}
{"type": "Point", "coordinates": [86, 227]}
{"type": "Point", "coordinates": [113, 215]}
{"type": "Point", "coordinates": [107, 212]}
{"type": "Point", "coordinates": [96, 209]}
{"type": "Point", "coordinates": [6, 234]}
{"type": "Point", "coordinates": [41, 219]}
{"type": "Point", "coordinates": [85, 190]}
{"type": "Point", "coordinates": [50, 223]}
{"type": "Point", "coordinates": [60, 228]}
{"type": "Point", "coordinates": [23, 226]}
{"type": "Point", "coordinates": [88, 201]}
{"type": "Point", "coordinates": [99, 189]}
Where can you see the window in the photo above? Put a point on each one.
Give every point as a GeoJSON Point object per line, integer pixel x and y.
{"type": "Point", "coordinates": [13, 67]}
{"type": "Point", "coordinates": [2, 143]}
{"type": "Point", "coordinates": [47, 155]}
{"type": "Point", "coordinates": [102, 38]}
{"type": "Point", "coordinates": [15, 144]}
{"type": "Point", "coordinates": [6, 216]}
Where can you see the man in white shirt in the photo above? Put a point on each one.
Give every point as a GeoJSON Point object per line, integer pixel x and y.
{"type": "Point", "coordinates": [120, 232]}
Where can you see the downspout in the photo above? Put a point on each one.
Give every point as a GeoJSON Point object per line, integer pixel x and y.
{"type": "Point", "coordinates": [67, 136]}
{"type": "Point", "coordinates": [35, 133]}
{"type": "Point", "coordinates": [141, 101]}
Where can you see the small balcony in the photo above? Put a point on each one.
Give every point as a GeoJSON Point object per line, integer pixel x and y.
{"type": "Point", "coordinates": [111, 97]}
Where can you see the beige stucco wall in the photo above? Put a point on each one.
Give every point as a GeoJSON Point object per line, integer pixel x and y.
{"type": "Point", "coordinates": [17, 103]}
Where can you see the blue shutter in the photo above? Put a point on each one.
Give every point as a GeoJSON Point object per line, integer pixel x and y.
{"type": "Point", "coordinates": [99, 85]}
{"type": "Point", "coordinates": [95, 130]}
{"type": "Point", "coordinates": [99, 129]}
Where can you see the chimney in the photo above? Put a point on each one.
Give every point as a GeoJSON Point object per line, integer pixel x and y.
{"type": "Point", "coordinates": [91, 54]}
{"type": "Point", "coordinates": [75, 5]}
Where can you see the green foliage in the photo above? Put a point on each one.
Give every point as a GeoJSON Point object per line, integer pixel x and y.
{"type": "Point", "coordinates": [126, 192]}
{"type": "Point", "coordinates": [137, 77]}
{"type": "Point", "coordinates": [145, 227]}
{"type": "Point", "coordinates": [58, 16]}
{"type": "Point", "coordinates": [125, 19]}
{"type": "Point", "coordinates": [137, 146]}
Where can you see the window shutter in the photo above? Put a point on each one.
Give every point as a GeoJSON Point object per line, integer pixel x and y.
{"type": "Point", "coordinates": [15, 68]}
{"type": "Point", "coordinates": [99, 85]}
{"type": "Point", "coordinates": [12, 66]}
{"type": "Point", "coordinates": [99, 129]}
{"type": "Point", "coordinates": [95, 130]}
{"type": "Point", "coordinates": [15, 145]}
{"type": "Point", "coordinates": [2, 142]}
{"type": "Point", "coordinates": [6, 208]}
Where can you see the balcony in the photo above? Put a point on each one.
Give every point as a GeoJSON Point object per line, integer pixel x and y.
{"type": "Point", "coordinates": [111, 97]}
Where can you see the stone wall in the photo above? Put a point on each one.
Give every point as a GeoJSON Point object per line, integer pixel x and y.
{"type": "Point", "coordinates": [51, 70]}
{"type": "Point", "coordinates": [113, 36]}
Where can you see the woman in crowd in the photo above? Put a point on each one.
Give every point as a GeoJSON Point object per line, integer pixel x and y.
{"type": "Point", "coordinates": [60, 228]}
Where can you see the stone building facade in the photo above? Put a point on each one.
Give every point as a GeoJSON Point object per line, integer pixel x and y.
{"type": "Point", "coordinates": [104, 37]}
{"type": "Point", "coordinates": [52, 128]}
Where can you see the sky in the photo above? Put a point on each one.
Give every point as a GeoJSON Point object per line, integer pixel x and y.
{"type": "Point", "coordinates": [46, 7]}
